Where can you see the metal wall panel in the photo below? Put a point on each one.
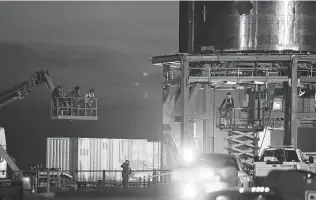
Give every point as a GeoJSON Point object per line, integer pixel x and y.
{"type": "Point", "coordinates": [62, 153]}
{"type": "Point", "coordinates": [86, 154]}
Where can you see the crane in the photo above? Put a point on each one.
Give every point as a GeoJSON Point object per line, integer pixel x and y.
{"type": "Point", "coordinates": [19, 92]}
{"type": "Point", "coordinates": [23, 89]}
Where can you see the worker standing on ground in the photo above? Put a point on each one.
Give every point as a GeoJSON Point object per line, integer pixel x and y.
{"type": "Point", "coordinates": [126, 172]}
{"type": "Point", "coordinates": [228, 106]}
{"type": "Point", "coordinates": [57, 93]}
{"type": "Point", "coordinates": [88, 100]}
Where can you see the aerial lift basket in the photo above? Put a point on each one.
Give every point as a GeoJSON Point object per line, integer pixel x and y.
{"type": "Point", "coordinates": [72, 108]}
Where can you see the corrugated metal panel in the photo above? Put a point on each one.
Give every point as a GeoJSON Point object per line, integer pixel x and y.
{"type": "Point", "coordinates": [87, 154]}
{"type": "Point", "coordinates": [92, 155]}
{"type": "Point", "coordinates": [62, 153]}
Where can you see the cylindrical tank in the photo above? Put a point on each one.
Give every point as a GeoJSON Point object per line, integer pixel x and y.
{"type": "Point", "coordinates": [250, 25]}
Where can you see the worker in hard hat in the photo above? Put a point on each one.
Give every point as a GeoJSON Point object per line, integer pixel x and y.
{"type": "Point", "coordinates": [228, 107]}
{"type": "Point", "coordinates": [56, 95]}
{"type": "Point", "coordinates": [88, 100]}
{"type": "Point", "coordinates": [126, 172]}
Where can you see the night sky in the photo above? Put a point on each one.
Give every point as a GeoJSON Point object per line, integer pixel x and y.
{"type": "Point", "coordinates": [104, 45]}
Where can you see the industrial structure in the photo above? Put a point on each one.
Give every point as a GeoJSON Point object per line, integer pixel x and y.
{"type": "Point", "coordinates": [260, 52]}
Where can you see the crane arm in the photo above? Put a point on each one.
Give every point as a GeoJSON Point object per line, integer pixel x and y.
{"type": "Point", "coordinates": [23, 89]}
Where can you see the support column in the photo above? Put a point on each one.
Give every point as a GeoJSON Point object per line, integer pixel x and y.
{"type": "Point", "coordinates": [287, 113]}
{"type": "Point", "coordinates": [185, 95]}
{"type": "Point", "coordinates": [294, 104]}
{"type": "Point", "coordinates": [212, 149]}
{"type": "Point", "coordinates": [206, 122]}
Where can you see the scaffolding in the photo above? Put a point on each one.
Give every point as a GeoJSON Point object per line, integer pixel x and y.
{"type": "Point", "coordinates": [259, 70]}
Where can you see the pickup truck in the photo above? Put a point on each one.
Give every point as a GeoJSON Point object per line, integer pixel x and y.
{"type": "Point", "coordinates": [279, 158]}
{"type": "Point", "coordinates": [312, 165]}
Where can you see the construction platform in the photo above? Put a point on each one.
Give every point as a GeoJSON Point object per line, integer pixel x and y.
{"type": "Point", "coordinates": [72, 108]}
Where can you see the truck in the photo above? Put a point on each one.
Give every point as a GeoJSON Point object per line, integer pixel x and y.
{"type": "Point", "coordinates": [279, 158]}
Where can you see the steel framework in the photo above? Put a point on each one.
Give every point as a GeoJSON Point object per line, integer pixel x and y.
{"type": "Point", "coordinates": [260, 71]}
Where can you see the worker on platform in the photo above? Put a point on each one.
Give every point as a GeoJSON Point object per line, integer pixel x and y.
{"type": "Point", "coordinates": [126, 172]}
{"type": "Point", "coordinates": [228, 107]}
{"type": "Point", "coordinates": [57, 93]}
{"type": "Point", "coordinates": [73, 101]}
{"type": "Point", "coordinates": [88, 100]}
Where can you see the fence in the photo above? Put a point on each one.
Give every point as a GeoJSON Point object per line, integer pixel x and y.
{"type": "Point", "coordinates": [38, 180]}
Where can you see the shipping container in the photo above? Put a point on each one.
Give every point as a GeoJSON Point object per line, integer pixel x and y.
{"type": "Point", "coordinates": [87, 154]}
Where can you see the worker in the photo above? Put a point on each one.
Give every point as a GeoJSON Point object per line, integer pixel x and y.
{"type": "Point", "coordinates": [73, 101]}
{"type": "Point", "coordinates": [126, 172]}
{"type": "Point", "coordinates": [57, 93]}
{"type": "Point", "coordinates": [88, 100]}
{"type": "Point", "coordinates": [76, 92]}
{"type": "Point", "coordinates": [228, 102]}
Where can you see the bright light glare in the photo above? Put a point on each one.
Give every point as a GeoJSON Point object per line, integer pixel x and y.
{"type": "Point", "coordinates": [188, 155]}
{"type": "Point", "coordinates": [207, 173]}
{"type": "Point", "coordinates": [189, 190]}
{"type": "Point", "coordinates": [241, 190]}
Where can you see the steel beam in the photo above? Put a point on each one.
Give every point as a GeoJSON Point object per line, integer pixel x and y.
{"type": "Point", "coordinates": [185, 95]}
{"type": "Point", "coordinates": [199, 116]}
{"type": "Point", "coordinates": [228, 57]}
{"type": "Point", "coordinates": [247, 79]}
{"type": "Point", "coordinates": [238, 58]}
{"type": "Point", "coordinates": [287, 114]}
{"type": "Point", "coordinates": [206, 122]}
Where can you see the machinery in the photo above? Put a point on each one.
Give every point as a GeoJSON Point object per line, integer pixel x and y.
{"type": "Point", "coordinates": [15, 184]}
{"type": "Point", "coordinates": [257, 74]}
